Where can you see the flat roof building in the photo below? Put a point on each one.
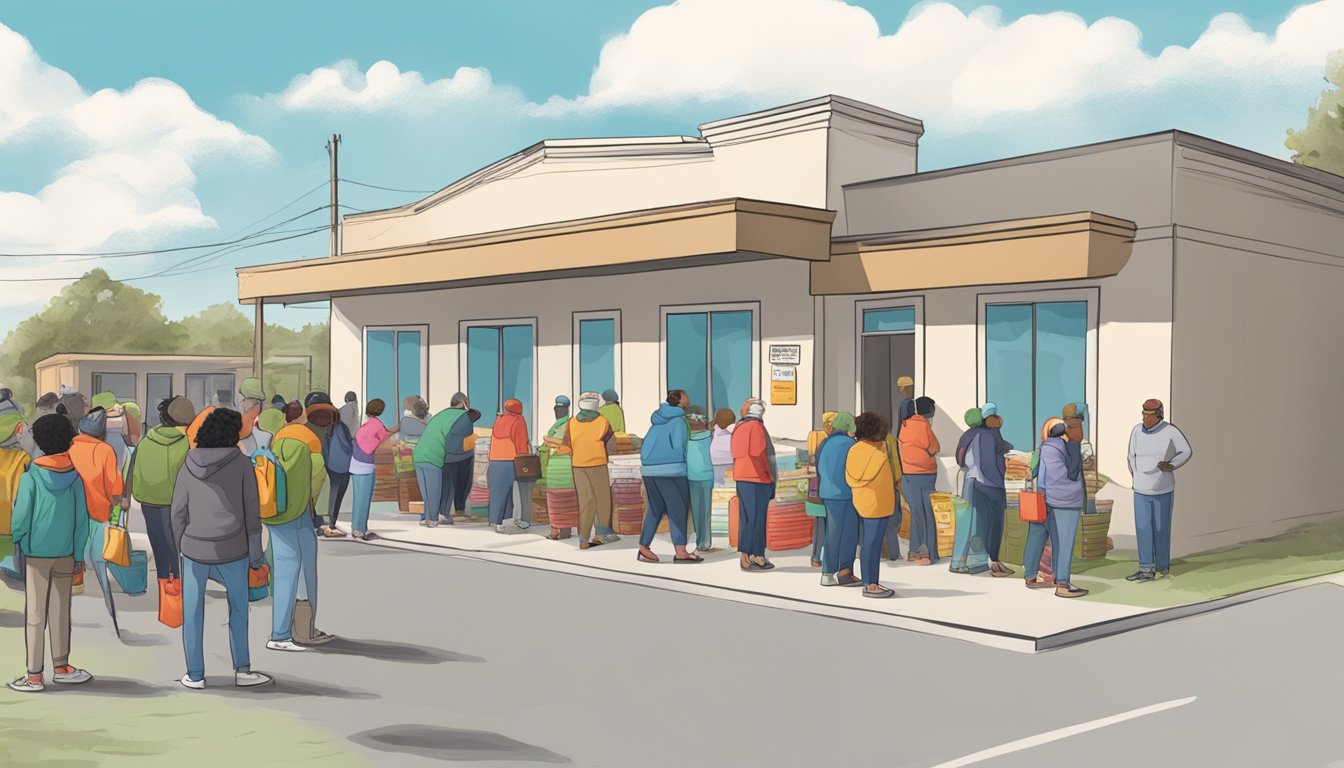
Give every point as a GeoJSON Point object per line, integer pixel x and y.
{"type": "Point", "coordinates": [797, 254]}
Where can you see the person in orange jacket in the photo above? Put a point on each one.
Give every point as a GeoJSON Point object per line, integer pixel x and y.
{"type": "Point", "coordinates": [96, 463]}
{"type": "Point", "coordinates": [919, 452]}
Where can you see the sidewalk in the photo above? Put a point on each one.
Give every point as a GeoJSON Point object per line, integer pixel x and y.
{"type": "Point", "coordinates": [1000, 613]}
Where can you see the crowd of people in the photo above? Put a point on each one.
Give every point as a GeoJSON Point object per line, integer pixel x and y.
{"type": "Point", "coordinates": [228, 493]}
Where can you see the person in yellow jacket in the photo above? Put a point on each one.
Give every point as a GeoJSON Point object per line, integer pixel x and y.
{"type": "Point", "coordinates": [14, 461]}
{"type": "Point", "coordinates": [868, 471]}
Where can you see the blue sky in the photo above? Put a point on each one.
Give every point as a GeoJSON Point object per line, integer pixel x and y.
{"type": "Point", "coordinates": [95, 158]}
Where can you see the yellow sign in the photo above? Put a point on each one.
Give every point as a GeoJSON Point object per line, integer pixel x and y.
{"type": "Point", "coordinates": [783, 385]}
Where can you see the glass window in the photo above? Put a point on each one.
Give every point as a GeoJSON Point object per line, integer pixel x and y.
{"type": "Point", "coordinates": [499, 367]}
{"type": "Point", "coordinates": [729, 360]}
{"type": "Point", "coordinates": [516, 367]}
{"type": "Point", "coordinates": [380, 372]}
{"type": "Point", "coordinates": [1035, 364]}
{"type": "Point", "coordinates": [158, 387]}
{"type": "Point", "coordinates": [709, 354]}
{"type": "Point", "coordinates": [597, 355]}
{"type": "Point", "coordinates": [687, 361]}
{"type": "Point", "coordinates": [392, 369]}
{"type": "Point", "coordinates": [1008, 370]}
{"type": "Point", "coordinates": [891, 320]}
{"type": "Point", "coordinates": [120, 384]}
{"type": "Point", "coordinates": [1061, 357]}
{"type": "Point", "coordinates": [210, 390]}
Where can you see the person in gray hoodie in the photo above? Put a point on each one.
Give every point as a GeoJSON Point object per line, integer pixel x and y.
{"type": "Point", "coordinates": [1060, 472]}
{"type": "Point", "coordinates": [217, 526]}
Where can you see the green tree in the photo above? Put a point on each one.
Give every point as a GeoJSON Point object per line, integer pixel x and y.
{"type": "Point", "coordinates": [219, 329]}
{"type": "Point", "coordinates": [93, 314]}
{"type": "Point", "coordinates": [1321, 143]}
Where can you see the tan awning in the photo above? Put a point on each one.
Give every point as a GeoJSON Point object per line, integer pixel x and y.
{"type": "Point", "coordinates": [735, 228]}
{"type": "Point", "coordinates": [1072, 246]}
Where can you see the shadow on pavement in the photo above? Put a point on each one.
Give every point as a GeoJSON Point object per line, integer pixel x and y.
{"type": "Point", "coordinates": [12, 619]}
{"type": "Point", "coordinates": [906, 592]}
{"type": "Point", "coordinates": [398, 652]}
{"type": "Point", "coordinates": [110, 686]}
{"type": "Point", "coordinates": [138, 640]}
{"type": "Point", "coordinates": [454, 744]}
{"type": "Point", "coordinates": [361, 551]}
{"type": "Point", "coordinates": [285, 685]}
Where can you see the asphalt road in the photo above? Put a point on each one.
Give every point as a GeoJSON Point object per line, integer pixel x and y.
{"type": "Point", "coordinates": [444, 658]}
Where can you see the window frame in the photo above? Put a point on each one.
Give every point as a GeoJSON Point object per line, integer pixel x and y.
{"type": "Point", "coordinates": [1091, 295]}
{"type": "Point", "coordinates": [135, 383]}
{"type": "Point", "coordinates": [464, 325]}
{"type": "Point", "coordinates": [186, 386]}
{"type": "Point", "coordinates": [900, 301]}
{"type": "Point", "coordinates": [423, 329]}
{"type": "Point", "coordinates": [576, 338]}
{"type": "Point", "coordinates": [754, 307]}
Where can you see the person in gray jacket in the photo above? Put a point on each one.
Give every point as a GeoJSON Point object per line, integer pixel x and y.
{"type": "Point", "coordinates": [1060, 472]}
{"type": "Point", "coordinates": [217, 526]}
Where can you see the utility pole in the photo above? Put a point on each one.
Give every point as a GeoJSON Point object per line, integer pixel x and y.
{"type": "Point", "coordinates": [333, 153]}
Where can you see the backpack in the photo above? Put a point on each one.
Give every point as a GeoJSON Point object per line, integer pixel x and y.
{"type": "Point", "coordinates": [271, 487]}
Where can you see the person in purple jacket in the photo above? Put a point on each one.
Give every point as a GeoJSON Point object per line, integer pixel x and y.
{"type": "Point", "coordinates": [1060, 473]}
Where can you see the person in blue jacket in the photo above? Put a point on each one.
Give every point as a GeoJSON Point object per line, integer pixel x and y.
{"type": "Point", "coordinates": [339, 448]}
{"type": "Point", "coordinates": [1060, 473]}
{"type": "Point", "coordinates": [842, 519]}
{"type": "Point", "coordinates": [666, 484]}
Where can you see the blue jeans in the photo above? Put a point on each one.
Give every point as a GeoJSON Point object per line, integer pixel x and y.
{"type": "Point", "coordinates": [294, 549]}
{"type": "Point", "coordinates": [818, 537]}
{"type": "Point", "coordinates": [1063, 525]}
{"type": "Point", "coordinates": [430, 480]}
{"type": "Point", "coordinates": [842, 536]}
{"type": "Point", "coordinates": [989, 505]}
{"type": "Point", "coordinates": [1152, 528]}
{"type": "Point", "coordinates": [894, 531]}
{"type": "Point", "coordinates": [359, 516]}
{"type": "Point", "coordinates": [874, 530]}
{"type": "Point", "coordinates": [702, 493]}
{"type": "Point", "coordinates": [1037, 534]}
{"type": "Point", "coordinates": [500, 477]}
{"type": "Point", "coordinates": [159, 526]}
{"type": "Point", "coordinates": [456, 479]}
{"type": "Point", "coordinates": [669, 496]}
{"type": "Point", "coordinates": [337, 483]}
{"type": "Point", "coordinates": [753, 501]}
{"type": "Point", "coordinates": [234, 578]}
{"type": "Point", "coordinates": [923, 532]}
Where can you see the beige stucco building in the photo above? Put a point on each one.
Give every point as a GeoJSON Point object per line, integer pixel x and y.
{"type": "Point", "coordinates": [798, 254]}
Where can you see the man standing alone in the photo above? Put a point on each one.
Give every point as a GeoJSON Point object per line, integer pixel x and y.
{"type": "Point", "coordinates": [1156, 450]}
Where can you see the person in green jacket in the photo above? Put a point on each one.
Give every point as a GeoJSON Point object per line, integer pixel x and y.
{"type": "Point", "coordinates": [154, 467]}
{"type": "Point", "coordinates": [443, 458]}
{"type": "Point", "coordinates": [611, 410]}
{"type": "Point", "coordinates": [556, 465]}
{"type": "Point", "coordinates": [51, 528]}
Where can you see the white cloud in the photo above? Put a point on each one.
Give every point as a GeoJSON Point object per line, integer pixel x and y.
{"type": "Point", "coordinates": [344, 88]}
{"type": "Point", "coordinates": [133, 175]}
{"type": "Point", "coordinates": [953, 67]}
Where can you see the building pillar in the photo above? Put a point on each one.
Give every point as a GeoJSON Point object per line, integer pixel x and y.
{"type": "Point", "coordinates": [258, 339]}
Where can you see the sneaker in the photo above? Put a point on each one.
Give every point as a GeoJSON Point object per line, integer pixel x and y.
{"type": "Point", "coordinates": [1068, 590]}
{"type": "Point", "coordinates": [433, 523]}
{"type": "Point", "coordinates": [70, 676]}
{"type": "Point", "coordinates": [333, 533]}
{"type": "Point", "coordinates": [26, 684]}
{"type": "Point", "coordinates": [444, 521]}
{"type": "Point", "coordinates": [250, 679]}
{"type": "Point", "coordinates": [829, 580]}
{"type": "Point", "coordinates": [1141, 576]}
{"type": "Point", "coordinates": [285, 645]}
{"type": "Point", "coordinates": [195, 685]}
{"type": "Point", "coordinates": [522, 526]}
{"type": "Point", "coordinates": [816, 563]}
{"type": "Point", "coordinates": [357, 535]}
{"type": "Point", "coordinates": [371, 536]}
{"type": "Point", "coordinates": [499, 528]}
{"type": "Point", "coordinates": [424, 523]}
{"type": "Point", "coordinates": [1039, 583]}
{"type": "Point", "coordinates": [319, 638]}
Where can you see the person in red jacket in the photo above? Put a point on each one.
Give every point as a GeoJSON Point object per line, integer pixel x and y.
{"type": "Point", "coordinates": [508, 440]}
{"type": "Point", "coordinates": [755, 475]}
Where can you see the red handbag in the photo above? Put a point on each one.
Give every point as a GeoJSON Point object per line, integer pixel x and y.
{"type": "Point", "coordinates": [1031, 506]}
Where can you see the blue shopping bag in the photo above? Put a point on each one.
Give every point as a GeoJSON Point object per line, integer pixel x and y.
{"type": "Point", "coordinates": [968, 543]}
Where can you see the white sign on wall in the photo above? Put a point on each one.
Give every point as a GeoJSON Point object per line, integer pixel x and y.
{"type": "Point", "coordinates": [786, 354]}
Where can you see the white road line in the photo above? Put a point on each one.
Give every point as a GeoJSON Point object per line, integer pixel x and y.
{"type": "Point", "coordinates": [1062, 733]}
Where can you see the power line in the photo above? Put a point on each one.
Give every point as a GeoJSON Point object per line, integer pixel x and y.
{"type": "Point", "coordinates": [153, 251]}
{"type": "Point", "coordinates": [391, 189]}
{"type": "Point", "coordinates": [165, 272]}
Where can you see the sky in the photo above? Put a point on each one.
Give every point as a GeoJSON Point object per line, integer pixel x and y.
{"type": "Point", "coordinates": [133, 127]}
